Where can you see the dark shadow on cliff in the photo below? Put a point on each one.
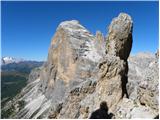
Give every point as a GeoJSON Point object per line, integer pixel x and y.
{"type": "Point", "coordinates": [157, 117]}
{"type": "Point", "coordinates": [102, 112]}
{"type": "Point", "coordinates": [124, 89]}
{"type": "Point", "coordinates": [124, 82]}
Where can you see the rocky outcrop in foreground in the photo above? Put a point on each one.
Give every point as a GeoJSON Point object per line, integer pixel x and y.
{"type": "Point", "coordinates": [82, 71]}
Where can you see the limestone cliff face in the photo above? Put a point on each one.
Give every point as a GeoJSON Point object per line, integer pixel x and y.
{"type": "Point", "coordinates": [119, 39]}
{"type": "Point", "coordinates": [72, 57]}
{"type": "Point", "coordinates": [81, 71]}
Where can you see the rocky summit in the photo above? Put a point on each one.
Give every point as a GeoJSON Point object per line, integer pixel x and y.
{"type": "Point", "coordinates": [87, 76]}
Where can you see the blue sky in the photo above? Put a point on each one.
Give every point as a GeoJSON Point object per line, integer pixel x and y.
{"type": "Point", "coordinates": [27, 27]}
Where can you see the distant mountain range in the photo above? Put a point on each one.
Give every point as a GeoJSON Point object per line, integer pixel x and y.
{"type": "Point", "coordinates": [10, 64]}
{"type": "Point", "coordinates": [14, 76]}
{"type": "Point", "coordinates": [8, 60]}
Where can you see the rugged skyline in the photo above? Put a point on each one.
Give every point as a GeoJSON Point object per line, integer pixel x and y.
{"type": "Point", "coordinates": [84, 71]}
{"type": "Point", "coordinates": [27, 27]}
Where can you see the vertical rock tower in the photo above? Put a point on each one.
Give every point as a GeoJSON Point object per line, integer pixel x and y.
{"type": "Point", "coordinates": [81, 72]}
{"type": "Point", "coordinates": [110, 79]}
{"type": "Point", "coordinates": [119, 40]}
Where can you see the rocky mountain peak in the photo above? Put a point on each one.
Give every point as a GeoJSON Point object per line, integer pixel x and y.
{"type": "Point", "coordinates": [68, 24]}
{"type": "Point", "coordinates": [73, 27]}
{"type": "Point", "coordinates": [157, 54]}
{"type": "Point", "coordinates": [119, 39]}
{"type": "Point", "coordinates": [7, 60]}
{"type": "Point", "coordinates": [79, 76]}
{"type": "Point", "coordinates": [99, 36]}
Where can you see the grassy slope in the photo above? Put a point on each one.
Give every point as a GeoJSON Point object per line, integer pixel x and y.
{"type": "Point", "coordinates": [11, 84]}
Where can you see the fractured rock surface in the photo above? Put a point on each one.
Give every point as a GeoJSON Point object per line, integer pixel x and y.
{"type": "Point", "coordinates": [119, 39]}
{"type": "Point", "coordinates": [83, 70]}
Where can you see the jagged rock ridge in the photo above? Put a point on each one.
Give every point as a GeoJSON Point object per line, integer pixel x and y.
{"type": "Point", "coordinates": [81, 72]}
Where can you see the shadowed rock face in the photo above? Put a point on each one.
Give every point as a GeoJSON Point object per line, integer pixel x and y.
{"type": "Point", "coordinates": [102, 112]}
{"type": "Point", "coordinates": [119, 39]}
{"type": "Point", "coordinates": [78, 75]}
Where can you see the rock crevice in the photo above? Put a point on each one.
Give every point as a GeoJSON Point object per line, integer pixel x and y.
{"type": "Point", "coordinates": [81, 71]}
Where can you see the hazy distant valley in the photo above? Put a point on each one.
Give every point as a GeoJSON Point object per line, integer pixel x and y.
{"type": "Point", "coordinates": [14, 77]}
